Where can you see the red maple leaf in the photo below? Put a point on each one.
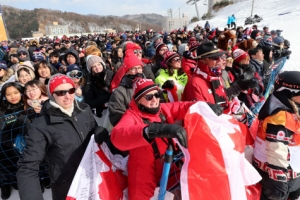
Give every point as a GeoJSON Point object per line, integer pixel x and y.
{"type": "Point", "coordinates": [111, 187]}
{"type": "Point", "coordinates": [220, 92]}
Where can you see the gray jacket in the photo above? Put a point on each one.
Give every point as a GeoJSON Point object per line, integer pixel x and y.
{"type": "Point", "coordinates": [119, 100]}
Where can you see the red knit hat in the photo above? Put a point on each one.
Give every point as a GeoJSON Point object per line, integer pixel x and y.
{"type": "Point", "coordinates": [142, 86]}
{"type": "Point", "coordinates": [159, 46]}
{"type": "Point", "coordinates": [239, 55]}
{"type": "Point", "coordinates": [58, 80]}
{"type": "Point", "coordinates": [130, 61]}
{"type": "Point", "coordinates": [193, 45]}
{"type": "Point", "coordinates": [169, 55]}
{"type": "Point", "coordinates": [132, 46]}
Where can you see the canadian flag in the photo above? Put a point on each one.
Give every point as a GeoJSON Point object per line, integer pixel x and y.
{"type": "Point", "coordinates": [100, 175]}
{"type": "Point", "coordinates": [215, 166]}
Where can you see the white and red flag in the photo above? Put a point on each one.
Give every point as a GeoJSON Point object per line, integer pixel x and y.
{"type": "Point", "coordinates": [100, 175]}
{"type": "Point", "coordinates": [215, 166]}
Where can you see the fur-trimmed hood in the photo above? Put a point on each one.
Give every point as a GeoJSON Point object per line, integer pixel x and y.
{"type": "Point", "coordinates": [8, 77]}
{"type": "Point", "coordinates": [31, 72]}
{"type": "Point", "coordinates": [32, 41]}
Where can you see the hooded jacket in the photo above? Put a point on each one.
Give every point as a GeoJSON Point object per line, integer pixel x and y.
{"type": "Point", "coordinates": [23, 49]}
{"type": "Point", "coordinates": [8, 77]}
{"type": "Point", "coordinates": [31, 72]}
{"type": "Point", "coordinates": [74, 53]}
{"type": "Point", "coordinates": [60, 140]}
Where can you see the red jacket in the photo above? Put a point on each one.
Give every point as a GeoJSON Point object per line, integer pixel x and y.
{"type": "Point", "coordinates": [144, 172]}
{"type": "Point", "coordinates": [117, 78]}
{"type": "Point", "coordinates": [198, 88]}
{"type": "Point", "coordinates": [187, 66]}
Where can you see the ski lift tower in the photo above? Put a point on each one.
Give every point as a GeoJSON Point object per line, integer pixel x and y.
{"type": "Point", "coordinates": [192, 2]}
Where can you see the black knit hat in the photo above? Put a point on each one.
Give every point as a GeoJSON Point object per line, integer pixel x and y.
{"type": "Point", "coordinates": [142, 86]}
{"type": "Point", "coordinates": [288, 80]}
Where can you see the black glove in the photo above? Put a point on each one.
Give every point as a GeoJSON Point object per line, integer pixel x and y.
{"type": "Point", "coordinates": [218, 109]}
{"type": "Point", "coordinates": [247, 84]}
{"type": "Point", "coordinates": [248, 73]}
{"type": "Point", "coordinates": [100, 134]}
{"type": "Point", "coordinates": [157, 130]}
{"type": "Point", "coordinates": [169, 84]}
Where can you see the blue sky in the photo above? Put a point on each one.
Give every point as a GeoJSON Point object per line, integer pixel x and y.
{"type": "Point", "coordinates": [111, 7]}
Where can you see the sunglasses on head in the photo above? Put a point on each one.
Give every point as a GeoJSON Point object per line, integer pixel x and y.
{"type": "Point", "coordinates": [64, 92]}
{"type": "Point", "coordinates": [77, 74]}
{"type": "Point", "coordinates": [149, 97]}
{"type": "Point", "coordinates": [137, 51]}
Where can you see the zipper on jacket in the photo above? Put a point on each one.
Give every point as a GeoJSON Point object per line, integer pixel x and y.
{"type": "Point", "coordinates": [78, 130]}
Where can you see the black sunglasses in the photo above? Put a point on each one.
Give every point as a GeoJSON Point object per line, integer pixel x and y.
{"type": "Point", "coordinates": [214, 58]}
{"type": "Point", "coordinates": [64, 92]}
{"type": "Point", "coordinates": [149, 97]}
{"type": "Point", "coordinates": [176, 59]}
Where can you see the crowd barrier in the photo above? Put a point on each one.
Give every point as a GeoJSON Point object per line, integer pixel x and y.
{"type": "Point", "coordinates": [12, 144]}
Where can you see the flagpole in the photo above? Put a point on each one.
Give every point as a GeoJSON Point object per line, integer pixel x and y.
{"type": "Point", "coordinates": [252, 8]}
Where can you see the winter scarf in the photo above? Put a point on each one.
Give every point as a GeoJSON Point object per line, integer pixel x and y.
{"type": "Point", "coordinates": [217, 87]}
{"type": "Point", "coordinates": [67, 112]}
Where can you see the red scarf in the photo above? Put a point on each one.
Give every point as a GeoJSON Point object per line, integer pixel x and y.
{"type": "Point", "coordinates": [217, 87]}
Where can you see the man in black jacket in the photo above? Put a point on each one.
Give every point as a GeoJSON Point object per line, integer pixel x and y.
{"type": "Point", "coordinates": [60, 136]}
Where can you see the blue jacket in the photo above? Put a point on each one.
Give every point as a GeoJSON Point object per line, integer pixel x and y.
{"type": "Point", "coordinates": [233, 19]}
{"type": "Point", "coordinates": [229, 20]}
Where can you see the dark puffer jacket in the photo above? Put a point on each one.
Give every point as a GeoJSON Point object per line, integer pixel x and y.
{"type": "Point", "coordinates": [98, 92]}
{"type": "Point", "coordinates": [119, 100]}
{"type": "Point", "coordinates": [61, 140]}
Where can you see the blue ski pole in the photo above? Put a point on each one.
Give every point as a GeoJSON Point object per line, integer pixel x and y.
{"type": "Point", "coordinates": [165, 173]}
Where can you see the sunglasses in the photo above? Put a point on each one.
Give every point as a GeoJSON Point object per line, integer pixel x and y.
{"type": "Point", "coordinates": [64, 92]}
{"type": "Point", "coordinates": [149, 97]}
{"type": "Point", "coordinates": [74, 74]}
{"type": "Point", "coordinates": [214, 58]}
{"type": "Point", "coordinates": [176, 59]}
{"type": "Point", "coordinates": [223, 57]}
{"type": "Point", "coordinates": [137, 51]}
{"type": "Point", "coordinates": [24, 54]}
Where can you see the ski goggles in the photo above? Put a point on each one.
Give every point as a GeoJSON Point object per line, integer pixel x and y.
{"type": "Point", "coordinates": [149, 97]}
{"type": "Point", "coordinates": [75, 74]}
{"type": "Point", "coordinates": [64, 92]}
{"type": "Point", "coordinates": [137, 51]}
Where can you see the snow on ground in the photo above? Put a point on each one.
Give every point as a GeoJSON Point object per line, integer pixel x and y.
{"type": "Point", "coordinates": [269, 10]}
{"type": "Point", "coordinates": [15, 195]}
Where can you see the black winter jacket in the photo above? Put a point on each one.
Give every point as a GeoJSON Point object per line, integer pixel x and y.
{"type": "Point", "coordinates": [61, 140]}
{"type": "Point", "coordinates": [98, 93]}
